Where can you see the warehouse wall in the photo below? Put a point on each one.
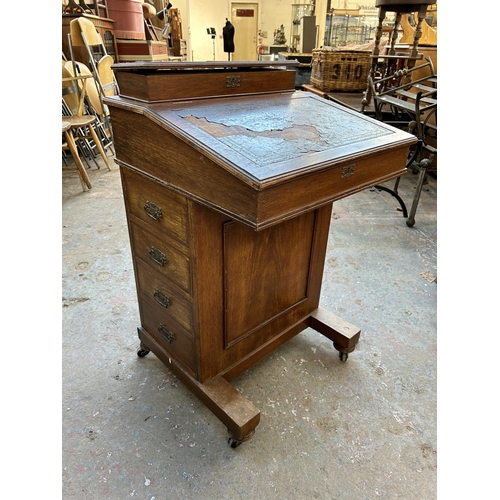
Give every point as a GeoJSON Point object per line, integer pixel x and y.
{"type": "Point", "coordinates": [197, 16]}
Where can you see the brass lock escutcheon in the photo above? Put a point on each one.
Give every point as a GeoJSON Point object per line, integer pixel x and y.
{"type": "Point", "coordinates": [232, 82]}
{"type": "Point", "coordinates": [166, 333]}
{"type": "Point", "coordinates": [158, 256]}
{"type": "Point", "coordinates": [347, 171]}
{"type": "Point", "coordinates": [161, 298]}
{"type": "Point", "coordinates": [154, 211]}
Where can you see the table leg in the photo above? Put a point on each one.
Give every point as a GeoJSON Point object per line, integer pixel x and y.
{"type": "Point", "coordinates": [84, 178]}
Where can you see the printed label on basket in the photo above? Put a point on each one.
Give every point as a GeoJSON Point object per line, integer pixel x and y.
{"type": "Point", "coordinates": [347, 71]}
{"type": "Point", "coordinates": [340, 70]}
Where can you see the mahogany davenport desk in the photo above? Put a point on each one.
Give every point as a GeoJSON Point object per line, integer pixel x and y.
{"type": "Point", "coordinates": [228, 177]}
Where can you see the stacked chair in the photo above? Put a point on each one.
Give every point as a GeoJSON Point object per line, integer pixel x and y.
{"type": "Point", "coordinates": [84, 87]}
{"type": "Point", "coordinates": [78, 125]}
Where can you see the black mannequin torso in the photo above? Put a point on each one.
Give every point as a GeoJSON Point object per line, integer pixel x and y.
{"type": "Point", "coordinates": [228, 35]}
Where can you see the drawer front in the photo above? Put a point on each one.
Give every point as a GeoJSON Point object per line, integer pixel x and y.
{"type": "Point", "coordinates": [156, 205]}
{"type": "Point", "coordinates": [164, 295]}
{"type": "Point", "coordinates": [163, 258]}
{"type": "Point", "coordinates": [171, 336]}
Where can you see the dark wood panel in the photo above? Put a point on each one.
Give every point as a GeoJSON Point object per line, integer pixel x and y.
{"type": "Point", "coordinates": [273, 313]}
{"type": "Point", "coordinates": [265, 273]}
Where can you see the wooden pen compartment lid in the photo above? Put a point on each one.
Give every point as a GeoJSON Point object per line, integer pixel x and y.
{"type": "Point", "coordinates": [168, 81]}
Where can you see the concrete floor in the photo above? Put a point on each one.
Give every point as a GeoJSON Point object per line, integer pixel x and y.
{"type": "Point", "coordinates": [358, 430]}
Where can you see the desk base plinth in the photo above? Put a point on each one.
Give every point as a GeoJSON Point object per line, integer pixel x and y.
{"type": "Point", "coordinates": [235, 411]}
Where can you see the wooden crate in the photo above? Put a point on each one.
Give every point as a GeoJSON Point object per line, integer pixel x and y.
{"type": "Point", "coordinates": [340, 70]}
{"type": "Point", "coordinates": [141, 50]}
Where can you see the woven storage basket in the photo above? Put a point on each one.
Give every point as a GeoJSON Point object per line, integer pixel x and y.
{"type": "Point", "coordinates": [334, 69]}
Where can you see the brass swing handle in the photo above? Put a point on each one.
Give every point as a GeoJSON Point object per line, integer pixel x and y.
{"type": "Point", "coordinates": [162, 298]}
{"type": "Point", "coordinates": [158, 256]}
{"type": "Point", "coordinates": [154, 211]}
{"type": "Point", "coordinates": [166, 333]}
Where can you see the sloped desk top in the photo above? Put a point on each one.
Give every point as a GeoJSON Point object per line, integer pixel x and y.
{"type": "Point", "coordinates": [264, 143]}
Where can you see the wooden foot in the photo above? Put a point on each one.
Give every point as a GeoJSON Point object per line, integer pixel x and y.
{"type": "Point", "coordinates": [344, 335]}
{"type": "Point", "coordinates": [235, 411]}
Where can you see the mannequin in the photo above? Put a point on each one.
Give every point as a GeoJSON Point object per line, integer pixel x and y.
{"type": "Point", "coordinates": [228, 35]}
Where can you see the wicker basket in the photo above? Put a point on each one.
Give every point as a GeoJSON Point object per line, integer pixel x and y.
{"type": "Point", "coordinates": [340, 70]}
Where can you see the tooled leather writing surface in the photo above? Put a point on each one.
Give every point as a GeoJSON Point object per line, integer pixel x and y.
{"type": "Point", "coordinates": [272, 136]}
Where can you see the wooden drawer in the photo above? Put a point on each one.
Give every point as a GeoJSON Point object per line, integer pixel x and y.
{"type": "Point", "coordinates": [164, 295]}
{"type": "Point", "coordinates": [170, 335]}
{"type": "Point", "coordinates": [156, 205]}
{"type": "Point", "coordinates": [154, 249]}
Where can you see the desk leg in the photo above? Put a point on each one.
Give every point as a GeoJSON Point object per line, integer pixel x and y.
{"type": "Point", "coordinates": [344, 335]}
{"type": "Point", "coordinates": [235, 411]}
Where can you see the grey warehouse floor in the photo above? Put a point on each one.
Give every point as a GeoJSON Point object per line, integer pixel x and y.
{"type": "Point", "coordinates": [358, 430]}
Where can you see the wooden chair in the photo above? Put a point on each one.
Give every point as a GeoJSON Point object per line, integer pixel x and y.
{"type": "Point", "coordinates": [393, 61]}
{"type": "Point", "coordinates": [79, 122]}
{"type": "Point", "coordinates": [72, 68]}
{"type": "Point", "coordinates": [412, 106]}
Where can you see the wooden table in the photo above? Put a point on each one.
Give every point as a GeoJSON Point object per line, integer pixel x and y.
{"type": "Point", "coordinates": [228, 178]}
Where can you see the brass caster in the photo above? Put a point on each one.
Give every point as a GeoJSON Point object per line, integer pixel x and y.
{"type": "Point", "coordinates": [343, 352]}
{"type": "Point", "coordinates": [234, 443]}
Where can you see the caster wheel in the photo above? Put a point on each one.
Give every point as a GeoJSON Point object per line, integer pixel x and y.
{"type": "Point", "coordinates": [233, 442]}
{"type": "Point", "coordinates": [343, 356]}
{"type": "Point", "coordinates": [142, 352]}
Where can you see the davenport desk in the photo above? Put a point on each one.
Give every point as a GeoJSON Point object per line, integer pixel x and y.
{"type": "Point", "coordinates": [228, 177]}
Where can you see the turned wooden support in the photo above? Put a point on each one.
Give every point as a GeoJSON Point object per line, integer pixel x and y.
{"type": "Point", "coordinates": [422, 11]}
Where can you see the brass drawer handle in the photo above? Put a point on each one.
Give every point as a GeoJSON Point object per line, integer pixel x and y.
{"type": "Point", "coordinates": [161, 298]}
{"type": "Point", "coordinates": [154, 211]}
{"type": "Point", "coordinates": [158, 256]}
{"type": "Point", "coordinates": [166, 333]}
